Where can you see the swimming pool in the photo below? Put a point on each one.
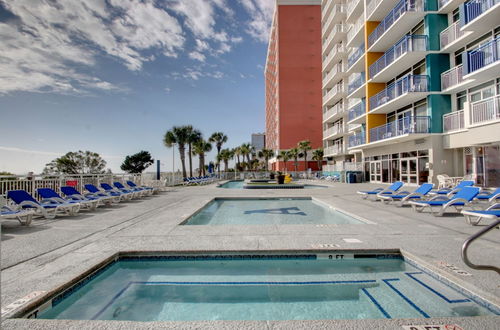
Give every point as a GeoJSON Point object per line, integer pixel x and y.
{"type": "Point", "coordinates": [238, 184]}
{"type": "Point", "coordinates": [268, 211]}
{"type": "Point", "coordinates": [261, 287]}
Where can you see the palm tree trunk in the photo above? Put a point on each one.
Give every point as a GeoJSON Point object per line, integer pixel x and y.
{"type": "Point", "coordinates": [226, 164]}
{"type": "Point", "coordinates": [182, 152]}
{"type": "Point", "coordinates": [267, 164]}
{"type": "Point", "coordinates": [305, 161]}
{"type": "Point", "coordinates": [200, 165]}
{"type": "Point", "coordinates": [296, 160]}
{"type": "Point", "coordinates": [190, 160]}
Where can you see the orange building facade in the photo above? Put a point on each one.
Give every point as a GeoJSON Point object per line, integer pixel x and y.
{"type": "Point", "coordinates": [293, 80]}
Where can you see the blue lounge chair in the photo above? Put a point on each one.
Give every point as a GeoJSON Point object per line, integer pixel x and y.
{"type": "Point", "coordinates": [73, 194]}
{"type": "Point", "coordinates": [135, 192]}
{"type": "Point", "coordinates": [405, 196]}
{"type": "Point", "coordinates": [111, 190]}
{"type": "Point", "coordinates": [47, 209]}
{"type": "Point", "coordinates": [116, 197]}
{"type": "Point", "coordinates": [50, 195]}
{"type": "Point", "coordinates": [485, 196]}
{"type": "Point", "coordinates": [451, 191]}
{"type": "Point", "coordinates": [149, 190]}
{"type": "Point", "coordinates": [460, 200]}
{"type": "Point", "coordinates": [23, 216]}
{"type": "Point", "coordinates": [473, 217]}
{"type": "Point", "coordinates": [381, 191]}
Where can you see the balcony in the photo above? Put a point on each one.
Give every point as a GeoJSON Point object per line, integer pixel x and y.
{"type": "Point", "coordinates": [336, 54]}
{"type": "Point", "coordinates": [335, 74]}
{"type": "Point", "coordinates": [326, 9]}
{"type": "Point", "coordinates": [337, 15]}
{"type": "Point", "coordinates": [333, 131]}
{"type": "Point", "coordinates": [481, 15]}
{"type": "Point", "coordinates": [452, 80]}
{"type": "Point", "coordinates": [483, 63]}
{"type": "Point", "coordinates": [400, 19]}
{"type": "Point", "coordinates": [403, 54]}
{"type": "Point", "coordinates": [447, 6]}
{"type": "Point", "coordinates": [354, 9]}
{"type": "Point", "coordinates": [335, 94]}
{"type": "Point", "coordinates": [357, 111]}
{"type": "Point", "coordinates": [356, 89]}
{"type": "Point", "coordinates": [376, 10]}
{"type": "Point", "coordinates": [333, 113]}
{"type": "Point", "coordinates": [485, 111]}
{"type": "Point", "coordinates": [356, 34]}
{"type": "Point", "coordinates": [403, 127]}
{"type": "Point", "coordinates": [403, 91]}
{"type": "Point", "coordinates": [339, 32]}
{"type": "Point", "coordinates": [453, 121]}
{"type": "Point", "coordinates": [334, 150]}
{"type": "Point", "coordinates": [356, 140]}
{"type": "Point", "coordinates": [355, 61]}
{"type": "Point", "coordinates": [453, 37]}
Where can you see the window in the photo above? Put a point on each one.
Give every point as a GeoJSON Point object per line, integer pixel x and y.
{"type": "Point", "coordinates": [458, 56]}
{"type": "Point", "coordinates": [481, 92]}
{"type": "Point", "coordinates": [461, 98]}
{"type": "Point", "coordinates": [419, 28]}
{"type": "Point", "coordinates": [455, 15]}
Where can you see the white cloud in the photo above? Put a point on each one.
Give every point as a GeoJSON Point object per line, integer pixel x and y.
{"type": "Point", "coordinates": [197, 56]}
{"type": "Point", "coordinates": [261, 15]}
{"type": "Point", "coordinates": [167, 90]}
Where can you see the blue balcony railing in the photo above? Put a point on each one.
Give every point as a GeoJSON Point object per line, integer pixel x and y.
{"type": "Point", "coordinates": [356, 140]}
{"type": "Point", "coordinates": [356, 55]}
{"type": "Point", "coordinates": [409, 43]}
{"type": "Point", "coordinates": [474, 8]}
{"type": "Point", "coordinates": [484, 55]}
{"type": "Point", "coordinates": [407, 84]}
{"type": "Point", "coordinates": [406, 125]}
{"type": "Point", "coordinates": [357, 82]}
{"type": "Point", "coordinates": [357, 110]}
{"type": "Point", "coordinates": [399, 9]}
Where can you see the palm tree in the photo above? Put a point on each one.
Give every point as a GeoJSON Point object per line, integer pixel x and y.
{"type": "Point", "coordinates": [219, 139]}
{"type": "Point", "coordinates": [178, 135]}
{"type": "Point", "coordinates": [225, 155]}
{"type": "Point", "coordinates": [193, 136]}
{"type": "Point", "coordinates": [285, 155]}
{"type": "Point", "coordinates": [304, 146]}
{"type": "Point", "coordinates": [266, 154]}
{"type": "Point", "coordinates": [295, 154]}
{"type": "Point", "coordinates": [318, 156]}
{"type": "Point", "coordinates": [246, 150]}
{"type": "Point", "coordinates": [200, 148]}
{"type": "Point", "coordinates": [237, 153]}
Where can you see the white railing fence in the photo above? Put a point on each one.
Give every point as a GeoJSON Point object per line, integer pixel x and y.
{"type": "Point", "coordinates": [452, 77]}
{"type": "Point", "coordinates": [453, 121]}
{"type": "Point", "coordinates": [485, 110]}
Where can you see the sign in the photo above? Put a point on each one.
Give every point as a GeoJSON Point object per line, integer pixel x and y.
{"type": "Point", "coordinates": [72, 183]}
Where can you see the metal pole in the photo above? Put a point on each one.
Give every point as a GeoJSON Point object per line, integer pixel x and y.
{"type": "Point", "coordinates": [173, 164]}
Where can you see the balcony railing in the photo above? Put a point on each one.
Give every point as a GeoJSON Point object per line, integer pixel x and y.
{"type": "Point", "coordinates": [484, 55]}
{"type": "Point", "coordinates": [337, 28]}
{"type": "Point", "coordinates": [409, 43]}
{"type": "Point", "coordinates": [370, 6]}
{"type": "Point", "coordinates": [401, 7]}
{"type": "Point", "coordinates": [407, 84]}
{"type": "Point", "coordinates": [442, 3]}
{"type": "Point", "coordinates": [450, 34]}
{"type": "Point", "coordinates": [452, 77]}
{"type": "Point", "coordinates": [355, 28]}
{"type": "Point", "coordinates": [351, 5]}
{"type": "Point", "coordinates": [485, 110]}
{"type": "Point", "coordinates": [336, 69]}
{"type": "Point", "coordinates": [337, 49]}
{"type": "Point", "coordinates": [334, 130]}
{"type": "Point", "coordinates": [406, 125]}
{"type": "Point", "coordinates": [357, 110]}
{"type": "Point", "coordinates": [355, 55]}
{"type": "Point", "coordinates": [338, 88]}
{"type": "Point", "coordinates": [453, 121]}
{"type": "Point", "coordinates": [334, 150]}
{"type": "Point", "coordinates": [337, 108]}
{"type": "Point", "coordinates": [343, 166]}
{"type": "Point", "coordinates": [338, 8]}
{"type": "Point", "coordinates": [474, 8]}
{"type": "Point", "coordinates": [356, 80]}
{"type": "Point", "coordinates": [356, 140]}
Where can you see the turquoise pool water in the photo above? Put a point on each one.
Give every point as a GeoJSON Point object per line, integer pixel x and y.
{"type": "Point", "coordinates": [238, 184]}
{"type": "Point", "coordinates": [272, 211]}
{"type": "Point", "coordinates": [260, 288]}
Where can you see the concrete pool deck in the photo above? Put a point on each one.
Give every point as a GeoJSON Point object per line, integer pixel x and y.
{"type": "Point", "coordinates": [52, 252]}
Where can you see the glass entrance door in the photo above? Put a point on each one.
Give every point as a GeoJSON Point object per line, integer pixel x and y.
{"type": "Point", "coordinates": [376, 171]}
{"type": "Point", "coordinates": [408, 170]}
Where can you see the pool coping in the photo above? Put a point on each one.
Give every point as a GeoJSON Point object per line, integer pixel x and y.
{"type": "Point", "coordinates": [45, 300]}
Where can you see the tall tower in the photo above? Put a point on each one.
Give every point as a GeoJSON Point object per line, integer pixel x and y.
{"type": "Point", "coordinates": [293, 78]}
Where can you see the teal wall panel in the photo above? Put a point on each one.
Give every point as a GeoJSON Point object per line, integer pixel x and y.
{"type": "Point", "coordinates": [437, 106]}
{"type": "Point", "coordinates": [434, 24]}
{"type": "Point", "coordinates": [435, 65]}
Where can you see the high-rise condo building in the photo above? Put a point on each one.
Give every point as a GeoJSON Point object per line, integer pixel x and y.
{"type": "Point", "coordinates": [258, 141]}
{"type": "Point", "coordinates": [293, 79]}
{"type": "Point", "coordinates": [411, 89]}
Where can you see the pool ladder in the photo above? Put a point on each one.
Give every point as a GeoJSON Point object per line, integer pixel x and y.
{"type": "Point", "coordinates": [473, 238]}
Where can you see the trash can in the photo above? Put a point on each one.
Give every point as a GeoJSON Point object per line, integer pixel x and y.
{"type": "Point", "coordinates": [359, 177]}
{"type": "Point", "coordinates": [351, 177]}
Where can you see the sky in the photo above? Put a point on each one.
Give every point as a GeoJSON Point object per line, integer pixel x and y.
{"type": "Point", "coordinates": [112, 76]}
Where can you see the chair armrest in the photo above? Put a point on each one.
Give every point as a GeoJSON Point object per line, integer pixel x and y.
{"type": "Point", "coordinates": [77, 197]}
{"type": "Point", "coordinates": [52, 200]}
{"type": "Point", "coordinates": [29, 203]}
{"type": "Point", "coordinates": [493, 207]}
{"type": "Point", "coordinates": [494, 198]}
{"type": "Point", "coordinates": [439, 197]}
{"type": "Point", "coordinates": [456, 200]}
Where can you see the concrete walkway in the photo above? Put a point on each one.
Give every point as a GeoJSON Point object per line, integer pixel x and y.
{"type": "Point", "coordinates": [51, 252]}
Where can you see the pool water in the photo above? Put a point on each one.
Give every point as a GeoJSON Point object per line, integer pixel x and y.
{"type": "Point", "coordinates": [270, 211]}
{"type": "Point", "coordinates": [260, 288]}
{"type": "Point", "coordinates": [238, 184]}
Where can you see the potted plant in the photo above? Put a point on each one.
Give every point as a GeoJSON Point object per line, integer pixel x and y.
{"type": "Point", "coordinates": [281, 178]}
{"type": "Point", "coordinates": [271, 175]}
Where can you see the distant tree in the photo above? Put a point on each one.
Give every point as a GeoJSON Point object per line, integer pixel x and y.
{"type": "Point", "coordinates": [178, 135]}
{"type": "Point", "coordinates": [237, 153]}
{"type": "Point", "coordinates": [295, 154]}
{"type": "Point", "coordinates": [193, 136]}
{"type": "Point", "coordinates": [318, 156]}
{"type": "Point", "coordinates": [137, 163]}
{"type": "Point", "coordinates": [266, 154]}
{"type": "Point", "coordinates": [285, 155]}
{"type": "Point", "coordinates": [7, 176]}
{"type": "Point", "coordinates": [200, 148]}
{"type": "Point", "coordinates": [304, 146]}
{"type": "Point", "coordinates": [79, 162]}
{"type": "Point", "coordinates": [246, 151]}
{"type": "Point", "coordinates": [225, 156]}
{"type": "Point", "coordinates": [219, 139]}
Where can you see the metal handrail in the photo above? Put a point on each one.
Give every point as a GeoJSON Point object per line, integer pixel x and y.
{"type": "Point", "coordinates": [468, 242]}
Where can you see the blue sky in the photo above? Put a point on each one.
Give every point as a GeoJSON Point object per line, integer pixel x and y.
{"type": "Point", "coordinates": [112, 76]}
